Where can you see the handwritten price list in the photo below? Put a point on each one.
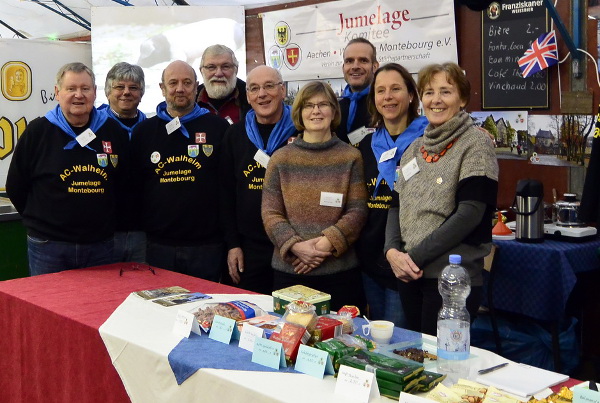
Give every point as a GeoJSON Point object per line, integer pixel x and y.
{"type": "Point", "coordinates": [508, 29]}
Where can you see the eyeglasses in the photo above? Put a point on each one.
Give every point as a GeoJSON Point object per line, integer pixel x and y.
{"type": "Point", "coordinates": [136, 267]}
{"type": "Point", "coordinates": [131, 88]}
{"type": "Point", "coordinates": [320, 106]}
{"type": "Point", "coordinates": [269, 87]}
{"type": "Point", "coordinates": [225, 68]}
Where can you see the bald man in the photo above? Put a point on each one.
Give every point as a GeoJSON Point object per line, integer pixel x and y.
{"type": "Point", "coordinates": [247, 147]}
{"type": "Point", "coordinates": [175, 158]}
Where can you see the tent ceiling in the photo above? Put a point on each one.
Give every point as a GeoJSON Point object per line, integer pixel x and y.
{"type": "Point", "coordinates": [64, 19]}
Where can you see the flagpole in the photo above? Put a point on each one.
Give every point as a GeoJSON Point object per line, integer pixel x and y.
{"type": "Point", "coordinates": [563, 30]}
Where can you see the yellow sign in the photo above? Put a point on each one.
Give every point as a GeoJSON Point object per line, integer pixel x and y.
{"type": "Point", "coordinates": [16, 81]}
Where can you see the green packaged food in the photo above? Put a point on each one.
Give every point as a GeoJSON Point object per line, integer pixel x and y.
{"type": "Point", "coordinates": [336, 350]}
{"type": "Point", "coordinates": [392, 394]}
{"type": "Point", "coordinates": [382, 383]}
{"type": "Point", "coordinates": [429, 380]}
{"type": "Point", "coordinates": [385, 368]}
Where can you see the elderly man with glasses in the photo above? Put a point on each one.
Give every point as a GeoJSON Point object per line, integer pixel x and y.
{"type": "Point", "coordinates": [124, 89]}
{"type": "Point", "coordinates": [222, 93]}
{"type": "Point", "coordinates": [247, 147]}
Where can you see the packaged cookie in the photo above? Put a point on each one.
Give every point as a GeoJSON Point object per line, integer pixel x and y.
{"type": "Point", "coordinates": [301, 313]}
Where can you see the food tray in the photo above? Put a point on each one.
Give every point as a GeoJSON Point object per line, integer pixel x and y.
{"type": "Point", "coordinates": [420, 343]}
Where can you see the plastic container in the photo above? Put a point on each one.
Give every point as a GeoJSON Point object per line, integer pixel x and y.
{"type": "Point", "coordinates": [301, 313]}
{"type": "Point", "coordinates": [453, 333]}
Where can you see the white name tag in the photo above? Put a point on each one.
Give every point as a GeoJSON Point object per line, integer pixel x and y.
{"type": "Point", "coordinates": [331, 199]}
{"type": "Point", "coordinates": [86, 137]}
{"type": "Point", "coordinates": [389, 154]}
{"type": "Point", "coordinates": [173, 125]}
{"type": "Point", "coordinates": [357, 135]}
{"type": "Point", "coordinates": [262, 158]}
{"type": "Point", "coordinates": [410, 169]}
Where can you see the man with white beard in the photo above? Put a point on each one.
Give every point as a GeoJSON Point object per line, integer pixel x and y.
{"type": "Point", "coordinates": [222, 93]}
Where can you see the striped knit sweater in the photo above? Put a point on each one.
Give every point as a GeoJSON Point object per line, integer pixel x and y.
{"type": "Point", "coordinates": [291, 208]}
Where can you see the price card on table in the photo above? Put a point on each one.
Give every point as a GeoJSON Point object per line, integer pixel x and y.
{"type": "Point", "coordinates": [268, 353]}
{"type": "Point", "coordinates": [185, 322]}
{"type": "Point", "coordinates": [356, 384]}
{"type": "Point", "coordinates": [249, 335]}
{"type": "Point", "coordinates": [583, 394]}
{"type": "Point", "coordinates": [223, 329]}
{"type": "Point", "coordinates": [314, 362]}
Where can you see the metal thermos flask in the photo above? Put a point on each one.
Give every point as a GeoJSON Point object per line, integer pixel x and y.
{"type": "Point", "coordinates": [529, 209]}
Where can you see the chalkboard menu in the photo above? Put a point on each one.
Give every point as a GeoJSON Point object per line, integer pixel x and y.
{"type": "Point", "coordinates": [508, 29]}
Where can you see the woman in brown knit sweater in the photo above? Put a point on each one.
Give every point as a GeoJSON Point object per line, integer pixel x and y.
{"type": "Point", "coordinates": [314, 202]}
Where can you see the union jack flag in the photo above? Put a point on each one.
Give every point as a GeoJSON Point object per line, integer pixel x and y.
{"type": "Point", "coordinates": [543, 53]}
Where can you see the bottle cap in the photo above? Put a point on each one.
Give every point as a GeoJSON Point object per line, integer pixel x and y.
{"type": "Point", "coordinates": [455, 259]}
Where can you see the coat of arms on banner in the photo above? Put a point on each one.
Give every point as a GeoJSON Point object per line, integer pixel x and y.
{"type": "Point", "coordinates": [114, 160]}
{"type": "Point", "coordinates": [293, 56]}
{"type": "Point", "coordinates": [207, 149]}
{"type": "Point", "coordinates": [193, 150]}
{"type": "Point", "coordinates": [282, 33]}
{"type": "Point", "coordinates": [102, 160]}
{"type": "Point", "coordinates": [275, 57]}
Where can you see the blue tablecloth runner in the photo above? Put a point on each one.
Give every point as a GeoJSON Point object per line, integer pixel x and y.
{"type": "Point", "coordinates": [201, 352]}
{"type": "Point", "coordinates": [536, 279]}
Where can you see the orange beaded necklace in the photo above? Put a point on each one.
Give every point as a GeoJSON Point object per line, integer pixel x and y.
{"type": "Point", "coordinates": [435, 157]}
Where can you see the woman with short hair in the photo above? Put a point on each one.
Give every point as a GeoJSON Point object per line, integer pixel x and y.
{"type": "Point", "coordinates": [447, 192]}
{"type": "Point", "coordinates": [314, 202]}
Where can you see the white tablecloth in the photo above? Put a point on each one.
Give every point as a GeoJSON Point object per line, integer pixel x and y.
{"type": "Point", "coordinates": [138, 336]}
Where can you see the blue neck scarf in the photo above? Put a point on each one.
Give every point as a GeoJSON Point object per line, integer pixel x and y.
{"type": "Point", "coordinates": [56, 117]}
{"type": "Point", "coordinates": [354, 97]}
{"type": "Point", "coordinates": [382, 142]}
{"type": "Point", "coordinates": [161, 112]}
{"type": "Point", "coordinates": [140, 118]}
{"type": "Point", "coordinates": [281, 132]}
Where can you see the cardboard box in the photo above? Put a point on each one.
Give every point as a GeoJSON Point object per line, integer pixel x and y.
{"type": "Point", "coordinates": [291, 336]}
{"type": "Point", "coordinates": [326, 329]}
{"type": "Point", "coordinates": [284, 296]}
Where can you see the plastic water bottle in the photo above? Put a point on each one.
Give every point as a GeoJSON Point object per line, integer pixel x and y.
{"type": "Point", "coordinates": [453, 324]}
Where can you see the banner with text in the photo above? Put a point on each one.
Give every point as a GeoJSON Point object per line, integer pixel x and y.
{"type": "Point", "coordinates": [27, 75]}
{"type": "Point", "coordinates": [308, 42]}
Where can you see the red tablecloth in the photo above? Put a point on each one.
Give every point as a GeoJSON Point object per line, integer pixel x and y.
{"type": "Point", "coordinates": [50, 348]}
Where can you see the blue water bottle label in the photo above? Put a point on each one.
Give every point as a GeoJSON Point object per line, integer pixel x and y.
{"type": "Point", "coordinates": [453, 342]}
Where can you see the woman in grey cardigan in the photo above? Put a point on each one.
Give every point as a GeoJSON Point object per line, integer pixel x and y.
{"type": "Point", "coordinates": [447, 192]}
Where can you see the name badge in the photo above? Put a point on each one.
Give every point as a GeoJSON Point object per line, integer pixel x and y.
{"type": "Point", "coordinates": [173, 125]}
{"type": "Point", "coordinates": [86, 137]}
{"type": "Point", "coordinates": [389, 154]}
{"type": "Point", "coordinates": [357, 135]}
{"type": "Point", "coordinates": [410, 169]}
{"type": "Point", "coordinates": [262, 158]}
{"type": "Point", "coordinates": [331, 199]}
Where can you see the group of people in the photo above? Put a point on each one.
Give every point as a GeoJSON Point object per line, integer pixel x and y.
{"type": "Point", "coordinates": [361, 198]}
